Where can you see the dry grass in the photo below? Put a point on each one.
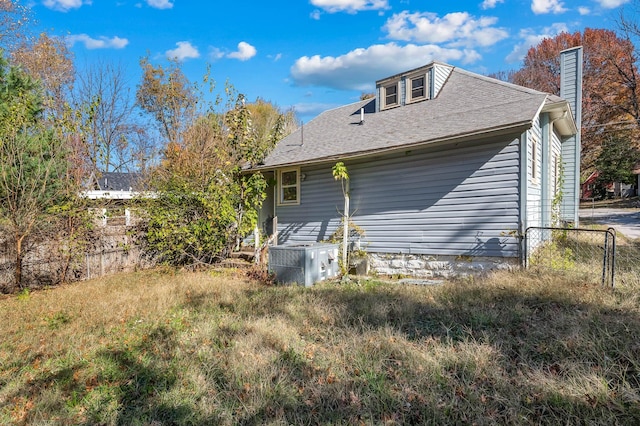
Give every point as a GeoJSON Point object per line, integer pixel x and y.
{"type": "Point", "coordinates": [207, 348]}
{"type": "Point", "coordinates": [581, 252]}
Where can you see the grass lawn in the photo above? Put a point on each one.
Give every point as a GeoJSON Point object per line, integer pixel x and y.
{"type": "Point", "coordinates": [616, 203]}
{"type": "Point", "coordinates": [209, 348]}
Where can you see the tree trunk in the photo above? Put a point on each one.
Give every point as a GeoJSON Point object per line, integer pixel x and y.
{"type": "Point", "coordinates": [66, 257]}
{"type": "Point", "coordinates": [19, 254]}
{"type": "Point", "coordinates": [345, 231]}
{"type": "Point", "coordinates": [238, 239]}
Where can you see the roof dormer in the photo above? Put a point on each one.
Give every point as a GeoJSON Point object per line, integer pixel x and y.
{"type": "Point", "coordinates": [412, 86]}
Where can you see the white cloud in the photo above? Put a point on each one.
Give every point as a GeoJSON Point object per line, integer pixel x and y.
{"type": "Point", "coordinates": [350, 6]}
{"type": "Point", "coordinates": [97, 43]}
{"type": "Point", "coordinates": [358, 69]}
{"type": "Point", "coordinates": [185, 50]}
{"type": "Point", "coordinates": [455, 29]}
{"type": "Point", "coordinates": [530, 39]}
{"type": "Point", "coordinates": [490, 4]}
{"type": "Point", "coordinates": [65, 5]}
{"type": "Point", "coordinates": [310, 108]}
{"type": "Point", "coordinates": [540, 7]}
{"type": "Point", "coordinates": [215, 54]}
{"type": "Point", "coordinates": [583, 10]}
{"type": "Point", "coordinates": [160, 4]}
{"type": "Point", "coordinates": [315, 15]}
{"type": "Point", "coordinates": [611, 4]}
{"type": "Point", "coordinates": [245, 52]}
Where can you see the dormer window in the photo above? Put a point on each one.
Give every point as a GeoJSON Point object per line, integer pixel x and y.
{"type": "Point", "coordinates": [391, 95]}
{"type": "Point", "coordinates": [410, 87]}
{"type": "Point", "coordinates": [417, 87]}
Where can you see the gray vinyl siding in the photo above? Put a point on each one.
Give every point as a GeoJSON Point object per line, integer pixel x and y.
{"type": "Point", "coordinates": [440, 75]}
{"type": "Point", "coordinates": [440, 201]}
{"type": "Point", "coordinates": [402, 88]}
{"type": "Point", "coordinates": [571, 90]}
{"type": "Point", "coordinates": [316, 217]}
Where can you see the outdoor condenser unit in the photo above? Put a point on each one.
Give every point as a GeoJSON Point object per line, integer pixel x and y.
{"type": "Point", "coordinates": [304, 264]}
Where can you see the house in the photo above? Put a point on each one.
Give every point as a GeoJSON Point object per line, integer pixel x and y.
{"type": "Point", "coordinates": [588, 187]}
{"type": "Point", "coordinates": [119, 189]}
{"type": "Point", "coordinates": [113, 186]}
{"type": "Point", "coordinates": [447, 169]}
{"type": "Point", "coordinates": [590, 191]}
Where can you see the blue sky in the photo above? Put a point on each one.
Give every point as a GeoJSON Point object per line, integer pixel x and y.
{"type": "Point", "coordinates": [312, 55]}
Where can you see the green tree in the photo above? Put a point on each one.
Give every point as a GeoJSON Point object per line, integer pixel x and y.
{"type": "Point", "coordinates": [340, 173]}
{"type": "Point", "coordinates": [247, 145]}
{"type": "Point", "coordinates": [616, 162]}
{"type": "Point", "coordinates": [188, 219]}
{"type": "Point", "coordinates": [33, 167]}
{"type": "Point", "coordinates": [205, 203]}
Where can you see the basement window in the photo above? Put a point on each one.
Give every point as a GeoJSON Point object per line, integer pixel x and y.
{"type": "Point", "coordinates": [289, 186]}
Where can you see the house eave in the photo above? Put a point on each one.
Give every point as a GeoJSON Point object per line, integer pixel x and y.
{"type": "Point", "coordinates": [562, 118]}
{"type": "Point", "coordinates": [514, 128]}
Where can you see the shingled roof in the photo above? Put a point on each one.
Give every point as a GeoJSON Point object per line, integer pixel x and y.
{"type": "Point", "coordinates": [468, 105]}
{"type": "Point", "coordinates": [114, 181]}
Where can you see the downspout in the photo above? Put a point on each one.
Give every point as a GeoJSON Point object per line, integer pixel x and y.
{"type": "Point", "coordinates": [274, 226]}
{"type": "Point", "coordinates": [524, 161]}
{"type": "Point", "coordinates": [546, 141]}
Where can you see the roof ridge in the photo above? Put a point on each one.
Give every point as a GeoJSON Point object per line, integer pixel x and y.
{"type": "Point", "coordinates": [362, 101]}
{"type": "Point", "coordinates": [499, 82]}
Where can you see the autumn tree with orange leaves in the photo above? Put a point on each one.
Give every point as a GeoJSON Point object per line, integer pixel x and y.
{"type": "Point", "coordinates": [610, 91]}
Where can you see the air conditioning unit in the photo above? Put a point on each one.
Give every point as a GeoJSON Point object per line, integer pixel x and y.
{"type": "Point", "coordinates": [304, 264]}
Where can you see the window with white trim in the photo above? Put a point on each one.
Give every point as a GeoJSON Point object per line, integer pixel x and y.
{"type": "Point", "coordinates": [289, 186]}
{"type": "Point", "coordinates": [391, 95]}
{"type": "Point", "coordinates": [418, 88]}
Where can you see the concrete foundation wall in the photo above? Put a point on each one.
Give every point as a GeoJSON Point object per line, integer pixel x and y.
{"type": "Point", "coordinates": [426, 266]}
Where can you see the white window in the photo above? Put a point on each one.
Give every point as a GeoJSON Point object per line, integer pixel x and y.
{"type": "Point", "coordinates": [418, 87]}
{"type": "Point", "coordinates": [406, 88]}
{"type": "Point", "coordinates": [391, 95]}
{"type": "Point", "coordinates": [289, 186]}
